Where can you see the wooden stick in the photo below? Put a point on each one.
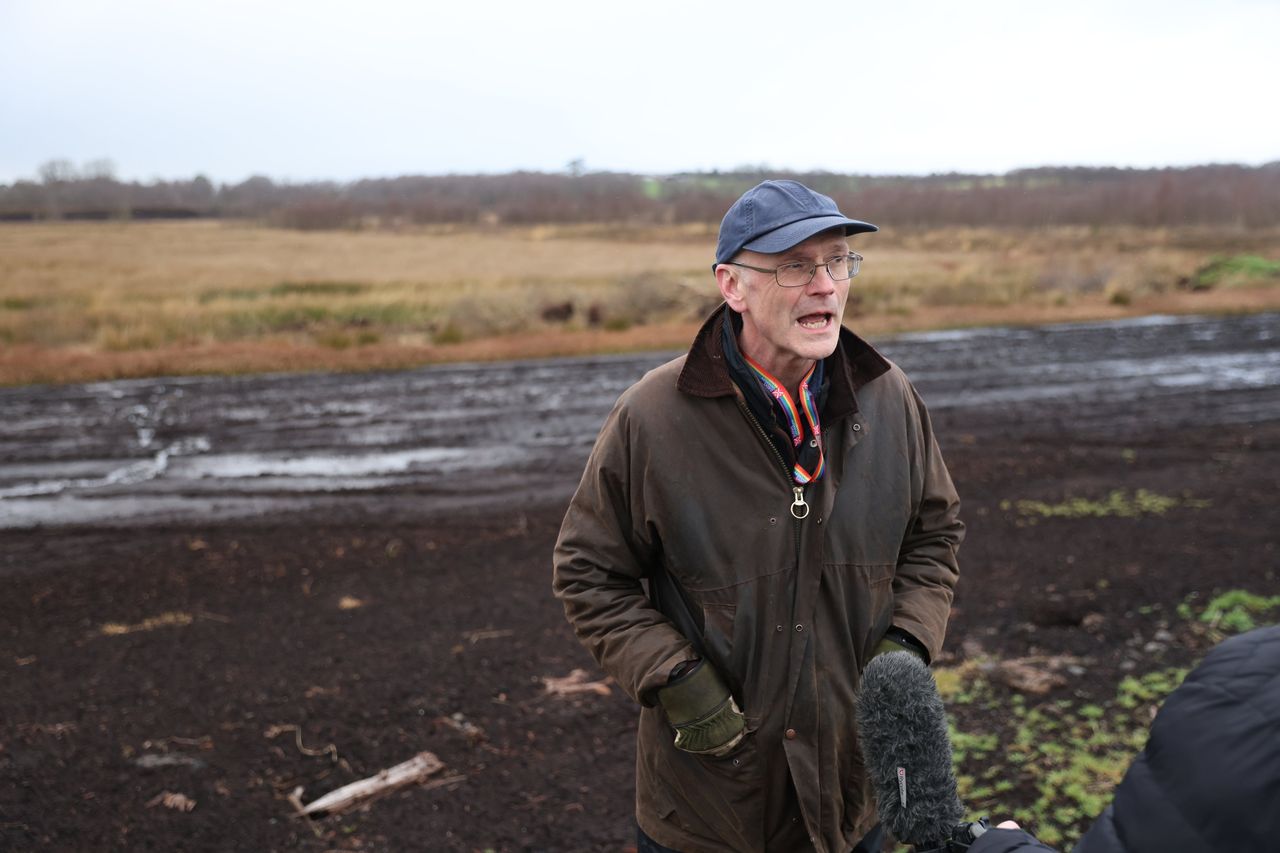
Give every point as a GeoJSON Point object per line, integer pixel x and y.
{"type": "Point", "coordinates": [415, 769]}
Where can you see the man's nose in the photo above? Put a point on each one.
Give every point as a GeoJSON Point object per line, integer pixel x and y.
{"type": "Point", "coordinates": [822, 282]}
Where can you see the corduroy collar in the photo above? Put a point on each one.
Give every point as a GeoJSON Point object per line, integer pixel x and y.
{"type": "Point", "coordinates": [854, 363]}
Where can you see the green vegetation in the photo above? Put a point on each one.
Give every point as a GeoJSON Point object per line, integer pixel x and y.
{"type": "Point", "coordinates": [1234, 611]}
{"type": "Point", "coordinates": [285, 288]}
{"type": "Point", "coordinates": [1237, 269]}
{"type": "Point", "coordinates": [276, 318]}
{"type": "Point", "coordinates": [1149, 688]}
{"type": "Point", "coordinates": [1118, 504]}
{"type": "Point", "coordinates": [1055, 766]}
{"type": "Point", "coordinates": [317, 288]}
{"type": "Point", "coordinates": [208, 296]}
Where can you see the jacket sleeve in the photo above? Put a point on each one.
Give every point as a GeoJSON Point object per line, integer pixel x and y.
{"type": "Point", "coordinates": [927, 570]}
{"type": "Point", "coordinates": [604, 549]}
{"type": "Point", "coordinates": [1009, 841]}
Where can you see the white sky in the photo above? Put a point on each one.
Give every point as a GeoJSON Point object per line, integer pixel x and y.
{"type": "Point", "coordinates": [327, 90]}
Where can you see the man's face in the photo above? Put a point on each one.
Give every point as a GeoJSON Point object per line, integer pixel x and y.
{"type": "Point", "coordinates": [786, 329]}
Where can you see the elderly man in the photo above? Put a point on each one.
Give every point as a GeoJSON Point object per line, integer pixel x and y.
{"type": "Point", "coordinates": [759, 518]}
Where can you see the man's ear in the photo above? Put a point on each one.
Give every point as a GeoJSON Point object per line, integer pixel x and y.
{"type": "Point", "coordinates": [729, 280]}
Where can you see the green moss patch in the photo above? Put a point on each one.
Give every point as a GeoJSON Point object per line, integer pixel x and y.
{"type": "Point", "coordinates": [1118, 503]}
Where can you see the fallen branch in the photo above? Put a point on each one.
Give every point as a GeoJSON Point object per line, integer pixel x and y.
{"type": "Point", "coordinates": [444, 782]}
{"type": "Point", "coordinates": [575, 682]}
{"type": "Point", "coordinates": [414, 770]}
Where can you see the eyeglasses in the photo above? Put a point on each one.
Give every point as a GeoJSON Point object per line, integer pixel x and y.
{"type": "Point", "coordinates": [800, 273]}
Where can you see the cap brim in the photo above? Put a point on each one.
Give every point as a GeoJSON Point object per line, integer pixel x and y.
{"type": "Point", "coordinates": [781, 239]}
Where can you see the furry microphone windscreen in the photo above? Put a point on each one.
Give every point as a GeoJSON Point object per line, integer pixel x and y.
{"type": "Point", "coordinates": [907, 749]}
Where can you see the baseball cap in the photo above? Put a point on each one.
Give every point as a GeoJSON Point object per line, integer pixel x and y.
{"type": "Point", "coordinates": [775, 215]}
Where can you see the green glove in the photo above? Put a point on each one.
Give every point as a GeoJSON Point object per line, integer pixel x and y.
{"type": "Point", "coordinates": [706, 719]}
{"type": "Point", "coordinates": [891, 643]}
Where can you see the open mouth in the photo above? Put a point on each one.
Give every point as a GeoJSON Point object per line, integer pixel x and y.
{"type": "Point", "coordinates": [816, 322]}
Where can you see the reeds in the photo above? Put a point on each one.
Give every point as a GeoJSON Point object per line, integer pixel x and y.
{"type": "Point", "coordinates": [132, 297]}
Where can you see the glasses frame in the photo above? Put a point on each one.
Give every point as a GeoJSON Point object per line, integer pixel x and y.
{"type": "Point", "coordinates": [855, 265]}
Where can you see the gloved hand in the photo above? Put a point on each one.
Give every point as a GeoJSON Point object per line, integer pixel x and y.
{"type": "Point", "coordinates": [706, 719]}
{"type": "Point", "coordinates": [893, 641]}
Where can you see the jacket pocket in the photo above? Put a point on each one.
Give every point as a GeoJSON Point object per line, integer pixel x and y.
{"type": "Point", "coordinates": [737, 633]}
{"type": "Point", "coordinates": [718, 798]}
{"type": "Point", "coordinates": [859, 604]}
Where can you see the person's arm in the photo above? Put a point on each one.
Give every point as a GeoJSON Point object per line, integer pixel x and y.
{"type": "Point", "coordinates": [601, 555]}
{"type": "Point", "coordinates": [924, 584]}
{"type": "Point", "coordinates": [1008, 838]}
{"type": "Point", "coordinates": [605, 548]}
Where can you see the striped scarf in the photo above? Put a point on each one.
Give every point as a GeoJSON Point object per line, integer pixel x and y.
{"type": "Point", "coordinates": [805, 468]}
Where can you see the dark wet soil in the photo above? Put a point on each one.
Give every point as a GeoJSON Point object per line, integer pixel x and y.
{"type": "Point", "coordinates": [254, 656]}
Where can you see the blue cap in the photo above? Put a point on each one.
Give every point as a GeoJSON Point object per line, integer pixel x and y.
{"type": "Point", "coordinates": [776, 215]}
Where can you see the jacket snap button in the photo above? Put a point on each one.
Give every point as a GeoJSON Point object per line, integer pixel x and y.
{"type": "Point", "coordinates": [857, 427]}
{"type": "Point", "coordinates": [791, 734]}
{"type": "Point", "coordinates": [799, 627]}
{"type": "Point", "coordinates": [779, 627]}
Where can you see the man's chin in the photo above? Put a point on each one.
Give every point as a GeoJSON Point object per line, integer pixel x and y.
{"type": "Point", "coordinates": [819, 348]}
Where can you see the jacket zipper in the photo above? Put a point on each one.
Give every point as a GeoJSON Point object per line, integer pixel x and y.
{"type": "Point", "coordinates": [796, 490]}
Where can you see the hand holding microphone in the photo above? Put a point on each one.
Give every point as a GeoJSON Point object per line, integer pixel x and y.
{"type": "Point", "coordinates": [907, 751]}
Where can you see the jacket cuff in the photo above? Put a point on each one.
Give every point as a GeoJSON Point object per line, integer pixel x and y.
{"type": "Point", "coordinates": [660, 676]}
{"type": "Point", "coordinates": [696, 695]}
{"type": "Point", "coordinates": [898, 640]}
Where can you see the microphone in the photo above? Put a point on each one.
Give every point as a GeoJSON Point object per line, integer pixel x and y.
{"type": "Point", "coordinates": [907, 750]}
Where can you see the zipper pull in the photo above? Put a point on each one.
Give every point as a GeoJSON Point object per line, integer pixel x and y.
{"type": "Point", "coordinates": [799, 509]}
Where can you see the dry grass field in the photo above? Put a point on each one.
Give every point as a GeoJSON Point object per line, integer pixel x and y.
{"type": "Point", "coordinates": [83, 301]}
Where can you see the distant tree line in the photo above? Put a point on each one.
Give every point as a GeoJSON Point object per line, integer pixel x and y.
{"type": "Point", "coordinates": [1200, 195]}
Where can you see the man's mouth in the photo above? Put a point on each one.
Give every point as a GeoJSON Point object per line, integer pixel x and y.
{"type": "Point", "coordinates": [820, 320]}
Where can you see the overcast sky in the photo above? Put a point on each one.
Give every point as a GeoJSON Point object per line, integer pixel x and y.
{"type": "Point", "coordinates": [321, 90]}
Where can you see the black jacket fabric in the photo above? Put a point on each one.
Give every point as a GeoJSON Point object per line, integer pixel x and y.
{"type": "Point", "coordinates": [1209, 777]}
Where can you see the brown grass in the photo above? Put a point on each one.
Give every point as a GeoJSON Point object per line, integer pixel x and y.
{"type": "Point", "coordinates": [83, 301]}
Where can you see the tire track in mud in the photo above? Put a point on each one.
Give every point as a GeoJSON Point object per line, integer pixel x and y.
{"type": "Point", "coordinates": [462, 437]}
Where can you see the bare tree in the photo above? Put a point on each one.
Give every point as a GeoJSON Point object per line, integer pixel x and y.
{"type": "Point", "coordinates": [57, 171]}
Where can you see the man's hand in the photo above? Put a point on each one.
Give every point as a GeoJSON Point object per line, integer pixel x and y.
{"type": "Point", "coordinates": [706, 719]}
{"type": "Point", "coordinates": [898, 640]}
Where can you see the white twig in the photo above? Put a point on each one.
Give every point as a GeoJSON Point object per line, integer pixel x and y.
{"type": "Point", "coordinates": [414, 770]}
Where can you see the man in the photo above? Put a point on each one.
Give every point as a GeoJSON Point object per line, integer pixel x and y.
{"type": "Point", "coordinates": [780, 492]}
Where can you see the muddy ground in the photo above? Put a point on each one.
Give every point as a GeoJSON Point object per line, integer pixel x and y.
{"type": "Point", "coordinates": [236, 657]}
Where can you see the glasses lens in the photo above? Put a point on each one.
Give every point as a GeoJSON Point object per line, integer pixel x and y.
{"type": "Point", "coordinates": [795, 275]}
{"type": "Point", "coordinates": [839, 268]}
{"type": "Point", "coordinates": [852, 263]}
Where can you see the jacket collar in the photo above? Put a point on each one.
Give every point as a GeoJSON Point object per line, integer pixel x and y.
{"type": "Point", "coordinates": [853, 364]}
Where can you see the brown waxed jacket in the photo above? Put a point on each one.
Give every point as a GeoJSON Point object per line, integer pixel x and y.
{"type": "Point", "coordinates": [683, 491]}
